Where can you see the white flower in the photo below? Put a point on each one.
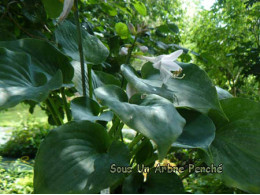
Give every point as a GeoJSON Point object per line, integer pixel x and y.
{"type": "Point", "coordinates": [166, 64]}
{"type": "Point", "coordinates": [68, 4]}
{"type": "Point", "coordinates": [143, 48]}
{"type": "Point", "coordinates": [123, 51]}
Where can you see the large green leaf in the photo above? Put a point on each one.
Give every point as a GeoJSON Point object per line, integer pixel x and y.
{"type": "Point", "coordinates": [84, 108]}
{"type": "Point", "coordinates": [45, 57]}
{"type": "Point", "coordinates": [237, 144]}
{"type": "Point", "coordinates": [153, 116]}
{"type": "Point", "coordinates": [194, 91]}
{"type": "Point", "coordinates": [94, 51]}
{"type": "Point", "coordinates": [157, 183]}
{"type": "Point", "coordinates": [98, 78]}
{"type": "Point", "coordinates": [199, 131]}
{"type": "Point", "coordinates": [21, 79]}
{"type": "Point", "coordinates": [76, 158]}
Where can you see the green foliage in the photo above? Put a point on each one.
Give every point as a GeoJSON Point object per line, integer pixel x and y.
{"type": "Point", "coordinates": [122, 30]}
{"type": "Point", "coordinates": [25, 140]}
{"type": "Point", "coordinates": [53, 7]}
{"type": "Point", "coordinates": [145, 115]}
{"type": "Point", "coordinates": [186, 111]}
{"type": "Point", "coordinates": [196, 135]}
{"type": "Point", "coordinates": [91, 151]}
{"type": "Point", "coordinates": [208, 184]}
{"type": "Point", "coordinates": [67, 37]}
{"type": "Point", "coordinates": [84, 108]}
{"type": "Point", "coordinates": [237, 144]}
{"type": "Point", "coordinates": [140, 8]}
{"type": "Point", "coordinates": [155, 184]}
{"type": "Point", "coordinates": [194, 80]}
{"type": "Point", "coordinates": [231, 53]}
{"type": "Point", "coordinates": [16, 177]}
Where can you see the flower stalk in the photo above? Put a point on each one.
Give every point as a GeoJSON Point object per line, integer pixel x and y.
{"type": "Point", "coordinates": [81, 54]}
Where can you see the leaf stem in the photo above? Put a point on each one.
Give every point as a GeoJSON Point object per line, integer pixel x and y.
{"type": "Point", "coordinates": [114, 127]}
{"type": "Point", "coordinates": [49, 107]}
{"type": "Point", "coordinates": [128, 57]}
{"type": "Point", "coordinates": [135, 141]}
{"type": "Point", "coordinates": [56, 112]}
{"type": "Point", "coordinates": [67, 110]}
{"type": "Point", "coordinates": [90, 81]}
{"type": "Point", "coordinates": [130, 51]}
{"type": "Point", "coordinates": [80, 47]}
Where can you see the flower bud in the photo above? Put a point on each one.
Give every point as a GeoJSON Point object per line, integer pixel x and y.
{"type": "Point", "coordinates": [123, 51]}
{"type": "Point", "coordinates": [143, 48]}
{"type": "Point", "coordinates": [132, 28]}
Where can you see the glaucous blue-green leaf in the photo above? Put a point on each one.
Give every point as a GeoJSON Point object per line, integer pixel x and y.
{"type": "Point", "coordinates": [21, 79]}
{"type": "Point", "coordinates": [76, 158]}
{"type": "Point", "coordinates": [237, 144]}
{"type": "Point", "coordinates": [194, 91]}
{"type": "Point", "coordinates": [66, 35]}
{"type": "Point", "coordinates": [98, 78]}
{"type": "Point", "coordinates": [122, 30]}
{"type": "Point", "coordinates": [156, 183]}
{"type": "Point", "coordinates": [45, 57]}
{"type": "Point", "coordinates": [53, 7]}
{"type": "Point", "coordinates": [84, 108]}
{"type": "Point", "coordinates": [222, 93]}
{"type": "Point", "coordinates": [199, 131]}
{"type": "Point", "coordinates": [153, 116]}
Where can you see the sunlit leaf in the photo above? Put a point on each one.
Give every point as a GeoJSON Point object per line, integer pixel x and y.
{"type": "Point", "coordinates": [122, 30]}
{"type": "Point", "coordinates": [153, 116]}
{"type": "Point", "coordinates": [195, 90]}
{"type": "Point", "coordinates": [66, 35]}
{"type": "Point", "coordinates": [140, 8]}
{"type": "Point", "coordinates": [76, 158]}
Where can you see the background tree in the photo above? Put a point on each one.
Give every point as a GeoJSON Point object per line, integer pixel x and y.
{"type": "Point", "coordinates": [227, 39]}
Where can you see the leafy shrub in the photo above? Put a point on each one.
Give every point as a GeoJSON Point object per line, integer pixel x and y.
{"type": "Point", "coordinates": [25, 140]}
{"type": "Point", "coordinates": [16, 177]}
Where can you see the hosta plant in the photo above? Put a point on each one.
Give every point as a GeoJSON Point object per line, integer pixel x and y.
{"type": "Point", "coordinates": [122, 129]}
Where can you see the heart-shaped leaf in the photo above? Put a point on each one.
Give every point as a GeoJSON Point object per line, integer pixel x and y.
{"type": "Point", "coordinates": [194, 91]}
{"type": "Point", "coordinates": [94, 51]}
{"type": "Point", "coordinates": [45, 57]}
{"type": "Point", "coordinates": [199, 131]}
{"type": "Point", "coordinates": [237, 144]}
{"type": "Point", "coordinates": [153, 116]}
{"type": "Point", "coordinates": [76, 158]}
{"type": "Point", "coordinates": [157, 183]}
{"type": "Point", "coordinates": [84, 108]}
{"type": "Point", "coordinates": [21, 79]}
